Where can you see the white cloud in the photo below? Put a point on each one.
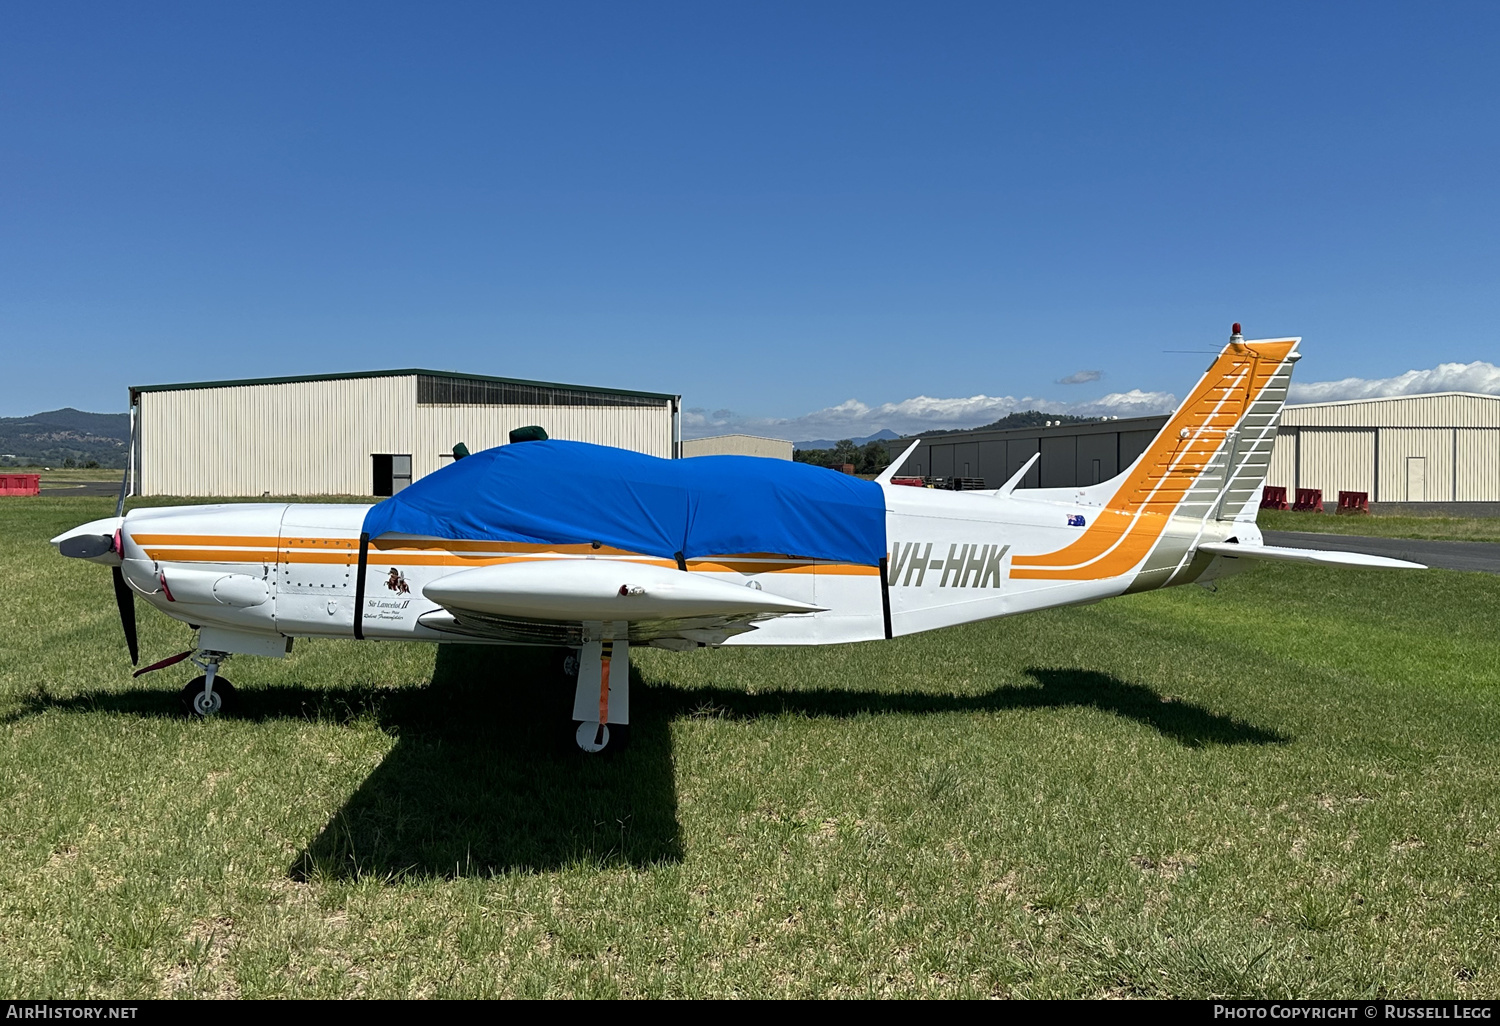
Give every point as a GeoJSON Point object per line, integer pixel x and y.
{"type": "Point", "coordinates": [854, 419]}
{"type": "Point", "coordinates": [1445, 377]}
{"type": "Point", "coordinates": [1082, 377]}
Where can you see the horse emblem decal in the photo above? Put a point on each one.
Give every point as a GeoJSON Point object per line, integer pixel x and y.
{"type": "Point", "coordinates": [397, 582]}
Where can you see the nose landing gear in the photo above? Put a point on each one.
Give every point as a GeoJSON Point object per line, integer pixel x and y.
{"type": "Point", "coordinates": [210, 694]}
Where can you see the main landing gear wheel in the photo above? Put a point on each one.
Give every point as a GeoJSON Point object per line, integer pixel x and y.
{"type": "Point", "coordinates": [601, 690]}
{"type": "Point", "coordinates": [196, 703]}
{"type": "Point", "coordinates": [602, 738]}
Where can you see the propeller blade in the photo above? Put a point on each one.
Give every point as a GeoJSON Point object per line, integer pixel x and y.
{"type": "Point", "coordinates": [125, 599]}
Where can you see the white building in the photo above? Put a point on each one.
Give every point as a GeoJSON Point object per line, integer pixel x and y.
{"type": "Point", "coordinates": [738, 445]}
{"type": "Point", "coordinates": [1443, 447]}
{"type": "Point", "coordinates": [369, 433]}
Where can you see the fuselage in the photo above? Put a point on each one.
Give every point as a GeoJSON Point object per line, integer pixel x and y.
{"type": "Point", "coordinates": [292, 569]}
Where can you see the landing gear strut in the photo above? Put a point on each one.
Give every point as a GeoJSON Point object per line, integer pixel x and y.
{"type": "Point", "coordinates": [601, 700]}
{"type": "Point", "coordinates": [210, 694]}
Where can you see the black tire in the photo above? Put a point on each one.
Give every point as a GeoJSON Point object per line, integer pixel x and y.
{"type": "Point", "coordinates": [223, 700]}
{"type": "Point", "coordinates": [567, 663]}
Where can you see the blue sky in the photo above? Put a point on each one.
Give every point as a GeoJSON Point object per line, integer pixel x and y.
{"type": "Point", "coordinates": [772, 209]}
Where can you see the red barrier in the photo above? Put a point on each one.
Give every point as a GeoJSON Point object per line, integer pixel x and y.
{"type": "Point", "coordinates": [1273, 497]}
{"type": "Point", "coordinates": [1354, 502]}
{"type": "Point", "coordinates": [20, 484]}
{"type": "Point", "coordinates": [914, 482]}
{"type": "Point", "coordinates": [1309, 500]}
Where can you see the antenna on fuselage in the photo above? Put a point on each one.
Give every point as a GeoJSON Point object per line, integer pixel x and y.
{"type": "Point", "coordinates": [890, 472]}
{"type": "Point", "coordinates": [1015, 479]}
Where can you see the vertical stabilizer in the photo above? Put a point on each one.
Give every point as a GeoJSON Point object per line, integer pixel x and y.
{"type": "Point", "coordinates": [1208, 463]}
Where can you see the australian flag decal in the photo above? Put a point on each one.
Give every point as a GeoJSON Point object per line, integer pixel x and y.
{"type": "Point", "coordinates": [1075, 519]}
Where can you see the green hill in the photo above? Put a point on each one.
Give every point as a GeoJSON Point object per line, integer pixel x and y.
{"type": "Point", "coordinates": [49, 439]}
{"type": "Point", "coordinates": [1020, 419]}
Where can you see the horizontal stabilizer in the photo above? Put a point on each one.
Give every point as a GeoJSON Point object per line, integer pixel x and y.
{"type": "Point", "coordinates": [1320, 557]}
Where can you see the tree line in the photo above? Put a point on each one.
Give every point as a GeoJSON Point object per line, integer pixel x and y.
{"type": "Point", "coordinates": [870, 458]}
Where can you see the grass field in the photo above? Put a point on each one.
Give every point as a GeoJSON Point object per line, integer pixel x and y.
{"type": "Point", "coordinates": [1286, 787]}
{"type": "Point", "coordinates": [57, 475]}
{"type": "Point", "coordinates": [1485, 529]}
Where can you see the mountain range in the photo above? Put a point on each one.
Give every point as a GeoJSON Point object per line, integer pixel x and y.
{"type": "Point", "coordinates": [823, 443]}
{"type": "Point", "coordinates": [47, 439]}
{"type": "Point", "coordinates": [1021, 419]}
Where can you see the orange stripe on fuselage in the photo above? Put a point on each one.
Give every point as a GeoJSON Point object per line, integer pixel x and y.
{"type": "Point", "coordinates": [456, 554]}
{"type": "Point", "coordinates": [1123, 533]}
{"type": "Point", "coordinates": [226, 555]}
{"type": "Point", "coordinates": [247, 541]}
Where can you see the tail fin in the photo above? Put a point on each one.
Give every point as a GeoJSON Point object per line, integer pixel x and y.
{"type": "Point", "coordinates": [1211, 459]}
{"type": "Point", "coordinates": [1208, 463]}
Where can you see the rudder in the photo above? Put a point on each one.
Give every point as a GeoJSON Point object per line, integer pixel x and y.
{"type": "Point", "coordinates": [1211, 459]}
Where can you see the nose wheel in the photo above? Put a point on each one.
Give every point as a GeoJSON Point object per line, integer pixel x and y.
{"type": "Point", "coordinates": [210, 694]}
{"type": "Point", "coordinates": [197, 701]}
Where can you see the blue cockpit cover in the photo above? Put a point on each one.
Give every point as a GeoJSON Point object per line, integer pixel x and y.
{"type": "Point", "coordinates": [574, 493]}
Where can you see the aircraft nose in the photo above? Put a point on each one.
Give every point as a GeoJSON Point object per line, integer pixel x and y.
{"type": "Point", "coordinates": [99, 541]}
{"type": "Point", "coordinates": [86, 546]}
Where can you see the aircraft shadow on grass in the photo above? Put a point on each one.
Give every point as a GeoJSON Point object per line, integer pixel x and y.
{"type": "Point", "coordinates": [483, 778]}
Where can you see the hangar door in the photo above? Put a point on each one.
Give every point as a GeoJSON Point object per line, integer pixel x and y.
{"type": "Point", "coordinates": [1478, 472]}
{"type": "Point", "coordinates": [391, 473]}
{"type": "Point", "coordinates": [1336, 460]}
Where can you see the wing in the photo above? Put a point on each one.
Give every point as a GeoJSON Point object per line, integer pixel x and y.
{"type": "Point", "coordinates": [550, 601]}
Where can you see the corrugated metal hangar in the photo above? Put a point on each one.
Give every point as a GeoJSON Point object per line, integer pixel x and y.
{"type": "Point", "coordinates": [1072, 454]}
{"type": "Point", "coordinates": [738, 445]}
{"type": "Point", "coordinates": [1443, 447]}
{"type": "Point", "coordinates": [368, 433]}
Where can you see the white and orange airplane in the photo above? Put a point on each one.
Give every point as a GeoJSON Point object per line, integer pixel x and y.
{"type": "Point", "coordinates": [596, 549]}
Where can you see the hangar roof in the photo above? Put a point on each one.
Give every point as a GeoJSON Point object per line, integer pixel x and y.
{"type": "Point", "coordinates": [402, 373]}
{"type": "Point", "coordinates": [1427, 410]}
{"type": "Point", "coordinates": [1391, 399]}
